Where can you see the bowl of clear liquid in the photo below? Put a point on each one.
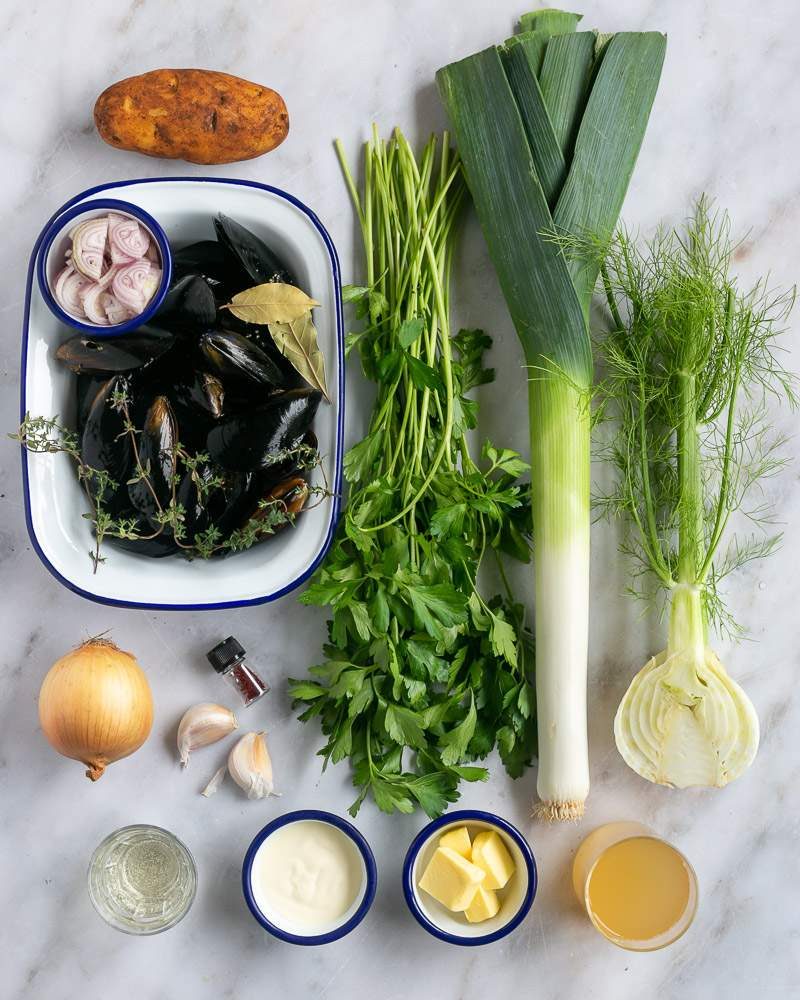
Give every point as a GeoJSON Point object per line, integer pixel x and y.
{"type": "Point", "coordinates": [142, 879]}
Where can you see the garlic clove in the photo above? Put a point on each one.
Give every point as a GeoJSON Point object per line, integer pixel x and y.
{"type": "Point", "coordinates": [216, 780]}
{"type": "Point", "coordinates": [202, 725]}
{"type": "Point", "coordinates": [250, 766]}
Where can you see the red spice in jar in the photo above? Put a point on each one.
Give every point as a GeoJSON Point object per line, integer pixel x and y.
{"type": "Point", "coordinates": [227, 658]}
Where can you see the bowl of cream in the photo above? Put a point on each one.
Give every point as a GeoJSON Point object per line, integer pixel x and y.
{"type": "Point", "coordinates": [309, 877]}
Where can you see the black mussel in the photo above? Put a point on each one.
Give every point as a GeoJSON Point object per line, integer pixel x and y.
{"type": "Point", "coordinates": [201, 392]}
{"type": "Point", "coordinates": [234, 356]}
{"type": "Point", "coordinates": [289, 496]}
{"type": "Point", "coordinates": [202, 501]}
{"type": "Point", "coordinates": [209, 259]}
{"type": "Point", "coordinates": [86, 391]}
{"type": "Point", "coordinates": [296, 463]}
{"type": "Point", "coordinates": [251, 256]}
{"type": "Point", "coordinates": [262, 338]}
{"type": "Point", "coordinates": [156, 546]}
{"type": "Point", "coordinates": [188, 305]}
{"type": "Point", "coordinates": [211, 502]}
{"type": "Point", "coordinates": [116, 355]}
{"type": "Point", "coordinates": [158, 458]}
{"type": "Point", "coordinates": [255, 439]}
{"type": "Point", "coordinates": [105, 446]}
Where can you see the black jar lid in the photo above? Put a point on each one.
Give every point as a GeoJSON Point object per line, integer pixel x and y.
{"type": "Point", "coordinates": [226, 655]}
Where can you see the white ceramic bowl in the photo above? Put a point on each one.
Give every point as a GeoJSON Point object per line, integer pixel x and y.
{"type": "Point", "coordinates": [516, 898]}
{"type": "Point", "coordinates": [273, 922]}
{"type": "Point", "coordinates": [54, 501]}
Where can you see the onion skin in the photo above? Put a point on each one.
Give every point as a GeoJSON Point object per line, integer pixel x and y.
{"type": "Point", "coordinates": [95, 705]}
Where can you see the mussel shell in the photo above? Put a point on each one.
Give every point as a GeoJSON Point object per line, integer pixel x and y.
{"type": "Point", "coordinates": [234, 356]}
{"type": "Point", "coordinates": [222, 506]}
{"type": "Point", "coordinates": [86, 390]}
{"type": "Point", "coordinates": [262, 338]}
{"type": "Point", "coordinates": [157, 449]}
{"type": "Point", "coordinates": [105, 447]}
{"type": "Point", "coordinates": [250, 440]}
{"type": "Point", "coordinates": [156, 547]}
{"type": "Point", "coordinates": [188, 305]}
{"type": "Point", "coordinates": [210, 260]}
{"type": "Point", "coordinates": [201, 393]}
{"type": "Point", "coordinates": [116, 355]}
{"type": "Point", "coordinates": [293, 492]}
{"type": "Point", "coordinates": [250, 255]}
{"type": "Point", "coordinates": [278, 472]}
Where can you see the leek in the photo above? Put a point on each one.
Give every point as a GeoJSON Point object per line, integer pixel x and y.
{"type": "Point", "coordinates": [549, 126]}
{"type": "Point", "coordinates": [691, 361]}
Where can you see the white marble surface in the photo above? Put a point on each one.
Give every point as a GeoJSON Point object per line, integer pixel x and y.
{"type": "Point", "coordinates": [727, 121]}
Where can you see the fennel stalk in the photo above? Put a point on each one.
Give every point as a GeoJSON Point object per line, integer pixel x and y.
{"type": "Point", "coordinates": [691, 361]}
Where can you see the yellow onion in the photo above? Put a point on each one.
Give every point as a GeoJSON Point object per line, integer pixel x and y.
{"type": "Point", "coordinates": [95, 705]}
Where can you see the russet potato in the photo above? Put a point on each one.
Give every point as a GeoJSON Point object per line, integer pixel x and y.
{"type": "Point", "coordinates": [192, 114]}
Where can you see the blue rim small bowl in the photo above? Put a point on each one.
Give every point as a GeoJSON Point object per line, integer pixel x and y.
{"type": "Point", "coordinates": [465, 817]}
{"type": "Point", "coordinates": [370, 876]}
{"type": "Point", "coordinates": [57, 228]}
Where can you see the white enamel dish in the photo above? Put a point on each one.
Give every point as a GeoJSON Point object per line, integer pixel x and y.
{"type": "Point", "coordinates": [54, 501]}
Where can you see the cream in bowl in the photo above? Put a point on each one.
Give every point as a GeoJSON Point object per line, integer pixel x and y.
{"type": "Point", "coordinates": [309, 877]}
{"type": "Point", "coordinates": [469, 878]}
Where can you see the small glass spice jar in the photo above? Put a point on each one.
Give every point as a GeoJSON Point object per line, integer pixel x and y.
{"type": "Point", "coordinates": [227, 659]}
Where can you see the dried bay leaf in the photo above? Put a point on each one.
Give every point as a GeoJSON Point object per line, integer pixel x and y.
{"type": "Point", "coordinates": [297, 342]}
{"type": "Point", "coordinates": [272, 302]}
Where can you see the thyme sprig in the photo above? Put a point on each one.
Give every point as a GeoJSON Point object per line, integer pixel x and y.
{"type": "Point", "coordinates": [47, 435]}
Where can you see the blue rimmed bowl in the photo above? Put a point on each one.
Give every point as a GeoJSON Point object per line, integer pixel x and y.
{"type": "Point", "coordinates": [55, 241]}
{"type": "Point", "coordinates": [271, 921]}
{"type": "Point", "coordinates": [516, 898]}
{"type": "Point", "coordinates": [55, 503]}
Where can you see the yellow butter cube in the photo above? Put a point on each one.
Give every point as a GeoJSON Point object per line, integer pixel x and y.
{"type": "Point", "coordinates": [490, 854]}
{"type": "Point", "coordinates": [484, 906]}
{"type": "Point", "coordinates": [451, 879]}
{"type": "Point", "coordinates": [458, 840]}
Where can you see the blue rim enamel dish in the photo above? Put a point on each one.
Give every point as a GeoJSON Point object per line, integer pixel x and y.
{"type": "Point", "coordinates": [367, 894]}
{"type": "Point", "coordinates": [54, 503]}
{"type": "Point", "coordinates": [57, 228]}
{"type": "Point", "coordinates": [516, 900]}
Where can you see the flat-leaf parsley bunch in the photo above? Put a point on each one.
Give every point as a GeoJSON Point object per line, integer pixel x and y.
{"type": "Point", "coordinates": [423, 675]}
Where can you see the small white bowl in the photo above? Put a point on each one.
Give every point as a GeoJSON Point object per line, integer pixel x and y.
{"type": "Point", "coordinates": [360, 906]}
{"type": "Point", "coordinates": [54, 500]}
{"type": "Point", "coordinates": [516, 898]}
{"type": "Point", "coordinates": [51, 261]}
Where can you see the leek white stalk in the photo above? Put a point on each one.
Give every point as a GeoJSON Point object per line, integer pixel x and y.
{"type": "Point", "coordinates": [560, 470]}
{"type": "Point", "coordinates": [549, 127]}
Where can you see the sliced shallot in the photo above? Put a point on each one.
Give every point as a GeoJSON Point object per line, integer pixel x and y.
{"type": "Point", "coordinates": [151, 283]}
{"type": "Point", "coordinates": [67, 289]}
{"type": "Point", "coordinates": [129, 284]}
{"type": "Point", "coordinates": [89, 245]}
{"type": "Point", "coordinates": [127, 240]}
{"type": "Point", "coordinates": [114, 309]}
{"type": "Point", "coordinates": [92, 306]}
{"type": "Point", "coordinates": [112, 270]}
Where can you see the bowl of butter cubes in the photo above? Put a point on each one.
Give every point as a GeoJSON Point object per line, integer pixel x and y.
{"type": "Point", "coordinates": [469, 878]}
